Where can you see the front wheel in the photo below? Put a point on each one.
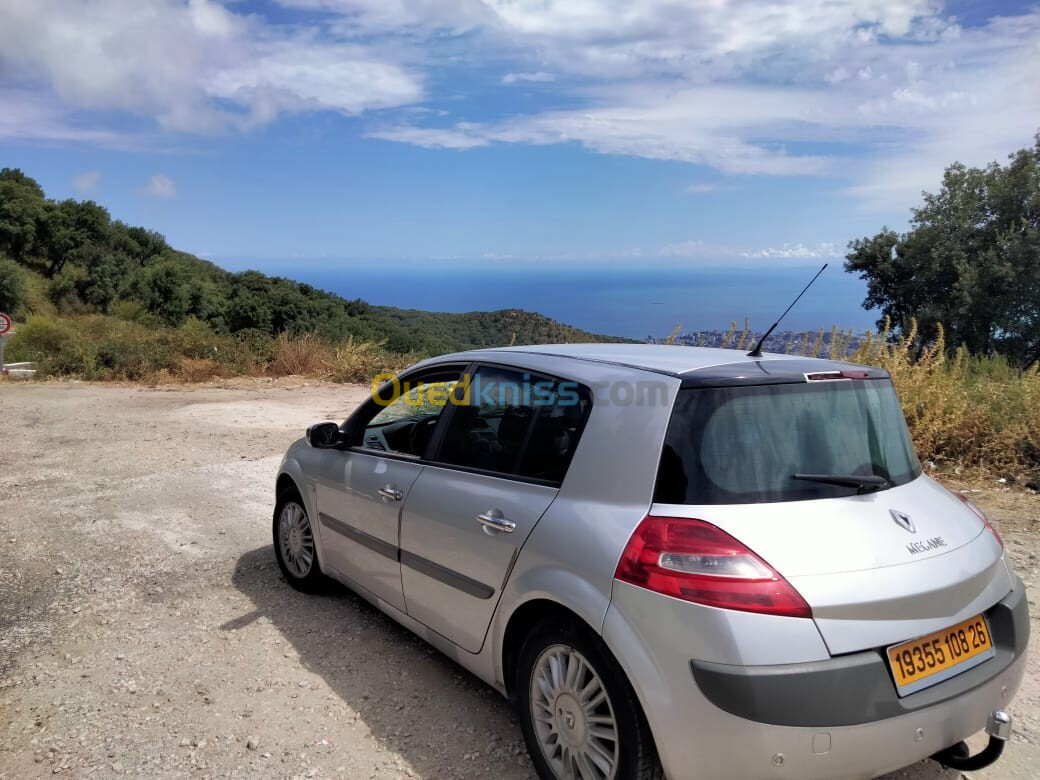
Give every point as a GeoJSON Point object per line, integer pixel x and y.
{"type": "Point", "coordinates": [580, 716]}
{"type": "Point", "coordinates": [294, 544]}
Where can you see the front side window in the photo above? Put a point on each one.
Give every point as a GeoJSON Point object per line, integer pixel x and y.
{"type": "Point", "coordinates": [739, 445]}
{"type": "Point", "coordinates": [404, 420]}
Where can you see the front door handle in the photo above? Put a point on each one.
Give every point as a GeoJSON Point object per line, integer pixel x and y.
{"type": "Point", "coordinates": [494, 521]}
{"type": "Point", "coordinates": [391, 493]}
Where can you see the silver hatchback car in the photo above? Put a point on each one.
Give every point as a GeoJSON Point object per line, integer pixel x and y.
{"type": "Point", "coordinates": [675, 561]}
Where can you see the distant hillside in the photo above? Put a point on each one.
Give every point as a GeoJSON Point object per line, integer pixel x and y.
{"type": "Point", "coordinates": [70, 258]}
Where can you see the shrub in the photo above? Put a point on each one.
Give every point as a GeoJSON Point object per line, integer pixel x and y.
{"type": "Point", "coordinates": [54, 344]}
{"type": "Point", "coordinates": [127, 350]}
{"type": "Point", "coordinates": [14, 295]}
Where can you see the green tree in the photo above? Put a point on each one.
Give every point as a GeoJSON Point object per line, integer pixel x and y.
{"type": "Point", "coordinates": [138, 243]}
{"type": "Point", "coordinates": [970, 261]}
{"type": "Point", "coordinates": [164, 288]}
{"type": "Point", "coordinates": [13, 292]}
{"type": "Point", "coordinates": [76, 232]}
{"type": "Point", "coordinates": [22, 209]}
{"type": "Point", "coordinates": [249, 306]}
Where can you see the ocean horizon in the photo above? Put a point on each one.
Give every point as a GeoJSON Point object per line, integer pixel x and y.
{"type": "Point", "coordinates": [632, 302]}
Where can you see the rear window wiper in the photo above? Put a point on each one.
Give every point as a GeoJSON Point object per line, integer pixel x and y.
{"type": "Point", "coordinates": [864, 483]}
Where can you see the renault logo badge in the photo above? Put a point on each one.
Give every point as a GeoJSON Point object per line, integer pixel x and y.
{"type": "Point", "coordinates": [903, 520]}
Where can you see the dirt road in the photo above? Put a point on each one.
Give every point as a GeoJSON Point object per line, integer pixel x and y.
{"type": "Point", "coordinates": [145, 630]}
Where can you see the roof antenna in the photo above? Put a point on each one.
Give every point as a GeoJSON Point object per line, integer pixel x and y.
{"type": "Point", "coordinates": [757, 351]}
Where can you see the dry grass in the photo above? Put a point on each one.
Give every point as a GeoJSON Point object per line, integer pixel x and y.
{"type": "Point", "coordinates": [965, 413]}
{"type": "Point", "coordinates": [299, 356]}
{"type": "Point", "coordinates": [108, 348]}
{"type": "Point", "coordinates": [359, 361]}
{"type": "Point", "coordinates": [202, 370]}
{"type": "Point", "coordinates": [349, 361]}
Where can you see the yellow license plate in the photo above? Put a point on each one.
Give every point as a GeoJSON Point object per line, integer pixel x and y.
{"type": "Point", "coordinates": [931, 659]}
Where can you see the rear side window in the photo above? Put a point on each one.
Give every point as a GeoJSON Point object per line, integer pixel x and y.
{"type": "Point", "coordinates": [513, 423]}
{"type": "Point", "coordinates": [738, 445]}
{"type": "Point", "coordinates": [554, 435]}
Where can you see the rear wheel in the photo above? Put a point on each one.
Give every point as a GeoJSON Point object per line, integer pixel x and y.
{"type": "Point", "coordinates": [294, 544]}
{"type": "Point", "coordinates": [580, 716]}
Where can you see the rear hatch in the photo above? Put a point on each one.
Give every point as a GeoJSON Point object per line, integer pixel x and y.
{"type": "Point", "coordinates": [891, 558]}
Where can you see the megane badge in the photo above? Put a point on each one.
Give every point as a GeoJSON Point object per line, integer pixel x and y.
{"type": "Point", "coordinates": [903, 520]}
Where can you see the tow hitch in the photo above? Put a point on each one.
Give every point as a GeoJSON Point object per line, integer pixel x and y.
{"type": "Point", "coordinates": [959, 756]}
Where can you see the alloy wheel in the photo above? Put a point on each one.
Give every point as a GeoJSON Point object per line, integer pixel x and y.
{"type": "Point", "coordinates": [573, 718]}
{"type": "Point", "coordinates": [295, 540]}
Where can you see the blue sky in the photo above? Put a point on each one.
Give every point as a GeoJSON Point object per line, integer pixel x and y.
{"type": "Point", "coordinates": [728, 132]}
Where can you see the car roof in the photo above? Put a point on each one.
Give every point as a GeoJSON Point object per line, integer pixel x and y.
{"type": "Point", "coordinates": [696, 366]}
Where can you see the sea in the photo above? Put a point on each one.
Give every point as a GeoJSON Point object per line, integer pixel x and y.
{"type": "Point", "coordinates": [634, 301]}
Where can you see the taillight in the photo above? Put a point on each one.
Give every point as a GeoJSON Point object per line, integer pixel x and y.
{"type": "Point", "coordinates": [981, 516]}
{"type": "Point", "coordinates": [695, 561]}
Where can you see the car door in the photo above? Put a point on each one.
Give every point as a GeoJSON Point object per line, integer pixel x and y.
{"type": "Point", "coordinates": [497, 467]}
{"type": "Point", "coordinates": [362, 489]}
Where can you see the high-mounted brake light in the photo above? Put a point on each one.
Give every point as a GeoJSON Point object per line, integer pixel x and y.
{"type": "Point", "coordinates": [696, 561]}
{"type": "Point", "coordinates": [824, 376]}
{"type": "Point", "coordinates": [979, 514]}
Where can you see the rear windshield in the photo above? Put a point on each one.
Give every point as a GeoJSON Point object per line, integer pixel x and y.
{"type": "Point", "coordinates": [739, 445]}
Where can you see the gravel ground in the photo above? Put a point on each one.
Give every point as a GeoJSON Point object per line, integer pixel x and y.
{"type": "Point", "coordinates": [145, 630]}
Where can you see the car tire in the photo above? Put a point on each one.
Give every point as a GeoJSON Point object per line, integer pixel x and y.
{"type": "Point", "coordinates": [579, 714]}
{"type": "Point", "coordinates": [294, 545]}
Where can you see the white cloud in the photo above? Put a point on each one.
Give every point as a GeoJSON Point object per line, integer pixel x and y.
{"type": "Point", "coordinates": [698, 249]}
{"type": "Point", "coordinates": [692, 248]}
{"type": "Point", "coordinates": [821, 251]}
{"type": "Point", "coordinates": [197, 66]}
{"type": "Point", "coordinates": [290, 79]}
{"type": "Point", "coordinates": [161, 186]}
{"type": "Point", "coordinates": [894, 90]}
{"type": "Point", "coordinates": [688, 126]}
{"type": "Point", "coordinates": [742, 87]}
{"type": "Point", "coordinates": [536, 77]}
{"type": "Point", "coordinates": [704, 188]}
{"type": "Point", "coordinates": [458, 137]}
{"type": "Point", "coordinates": [87, 182]}
{"type": "Point", "coordinates": [394, 15]}
{"type": "Point", "coordinates": [26, 115]}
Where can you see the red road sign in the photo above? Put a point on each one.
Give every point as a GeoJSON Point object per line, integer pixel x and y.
{"type": "Point", "coordinates": [5, 324]}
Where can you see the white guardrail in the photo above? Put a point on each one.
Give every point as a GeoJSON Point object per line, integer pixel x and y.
{"type": "Point", "coordinates": [20, 370]}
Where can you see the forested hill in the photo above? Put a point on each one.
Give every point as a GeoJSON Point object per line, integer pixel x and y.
{"type": "Point", "coordinates": [71, 258]}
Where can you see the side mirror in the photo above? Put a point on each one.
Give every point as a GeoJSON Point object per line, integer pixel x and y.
{"type": "Point", "coordinates": [325, 436]}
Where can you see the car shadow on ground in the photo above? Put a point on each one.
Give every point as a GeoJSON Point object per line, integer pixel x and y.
{"type": "Point", "coordinates": [438, 717]}
{"type": "Point", "coordinates": [420, 705]}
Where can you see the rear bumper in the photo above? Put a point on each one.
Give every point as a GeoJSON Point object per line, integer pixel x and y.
{"type": "Point", "coordinates": [844, 728]}
{"type": "Point", "coordinates": [804, 694]}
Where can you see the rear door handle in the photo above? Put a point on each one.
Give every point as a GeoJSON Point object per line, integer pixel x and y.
{"type": "Point", "coordinates": [391, 493]}
{"type": "Point", "coordinates": [496, 522]}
